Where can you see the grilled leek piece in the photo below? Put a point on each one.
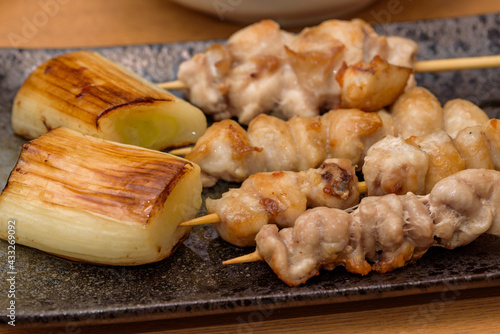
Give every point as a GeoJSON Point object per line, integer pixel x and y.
{"type": "Point", "coordinates": [96, 201]}
{"type": "Point", "coordinates": [87, 92]}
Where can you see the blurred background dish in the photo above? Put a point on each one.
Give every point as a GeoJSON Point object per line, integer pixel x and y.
{"type": "Point", "coordinates": [287, 13]}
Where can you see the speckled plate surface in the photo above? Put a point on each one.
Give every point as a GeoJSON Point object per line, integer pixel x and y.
{"type": "Point", "coordinates": [193, 280]}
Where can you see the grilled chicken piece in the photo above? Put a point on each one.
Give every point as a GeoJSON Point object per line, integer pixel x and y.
{"type": "Point", "coordinates": [464, 206]}
{"type": "Point", "coordinates": [387, 232]}
{"type": "Point", "coordinates": [280, 197]}
{"type": "Point", "coordinates": [459, 114]}
{"type": "Point", "coordinates": [444, 158]}
{"type": "Point", "coordinates": [262, 68]}
{"type": "Point", "coordinates": [348, 131]}
{"type": "Point", "coordinates": [90, 94]}
{"type": "Point", "coordinates": [309, 136]}
{"type": "Point", "coordinates": [389, 128]}
{"type": "Point", "coordinates": [225, 152]}
{"type": "Point", "coordinates": [96, 201]}
{"type": "Point", "coordinates": [373, 86]}
{"type": "Point", "coordinates": [417, 113]}
{"type": "Point", "coordinates": [473, 146]}
{"type": "Point", "coordinates": [276, 139]}
{"type": "Point", "coordinates": [393, 166]}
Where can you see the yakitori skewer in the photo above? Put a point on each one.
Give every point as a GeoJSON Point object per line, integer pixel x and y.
{"type": "Point", "coordinates": [279, 198]}
{"type": "Point", "coordinates": [433, 65]}
{"type": "Point", "coordinates": [263, 68]}
{"type": "Point", "coordinates": [337, 63]}
{"type": "Point", "coordinates": [227, 152]}
{"type": "Point", "coordinates": [385, 232]}
{"type": "Point", "coordinates": [213, 218]}
{"type": "Point", "coordinates": [173, 85]}
{"type": "Point", "coordinates": [392, 166]}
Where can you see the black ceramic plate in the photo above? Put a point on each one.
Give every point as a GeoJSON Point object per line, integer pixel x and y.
{"type": "Point", "coordinates": [193, 280]}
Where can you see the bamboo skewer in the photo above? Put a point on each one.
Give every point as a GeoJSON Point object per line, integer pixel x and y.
{"type": "Point", "coordinates": [252, 257]}
{"type": "Point", "coordinates": [181, 151]}
{"type": "Point", "coordinates": [213, 218]}
{"type": "Point", "coordinates": [457, 64]}
{"type": "Point", "coordinates": [434, 65]}
{"type": "Point", "coordinates": [173, 85]}
{"type": "Point", "coordinates": [362, 188]}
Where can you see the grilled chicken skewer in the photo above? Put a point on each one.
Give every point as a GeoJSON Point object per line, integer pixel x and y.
{"type": "Point", "coordinates": [280, 197]}
{"type": "Point", "coordinates": [228, 152]}
{"type": "Point", "coordinates": [262, 68]}
{"type": "Point", "coordinates": [393, 165]}
{"type": "Point", "coordinates": [384, 233]}
{"type": "Point", "coordinates": [337, 63]}
{"type": "Point", "coordinates": [433, 65]}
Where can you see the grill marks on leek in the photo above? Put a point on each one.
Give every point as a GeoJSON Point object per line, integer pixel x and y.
{"type": "Point", "coordinates": [98, 201]}
{"type": "Point", "coordinates": [88, 93]}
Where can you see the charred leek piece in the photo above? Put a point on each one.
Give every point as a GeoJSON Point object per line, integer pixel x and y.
{"type": "Point", "coordinates": [88, 93]}
{"type": "Point", "coordinates": [92, 200]}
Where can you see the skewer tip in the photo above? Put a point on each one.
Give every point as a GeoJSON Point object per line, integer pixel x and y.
{"type": "Point", "coordinates": [173, 85]}
{"type": "Point", "coordinates": [252, 257]}
{"type": "Point", "coordinates": [181, 151]}
{"type": "Point", "coordinates": [208, 219]}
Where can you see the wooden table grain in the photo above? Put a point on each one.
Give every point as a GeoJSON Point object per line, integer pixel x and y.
{"type": "Point", "coordinates": [88, 23]}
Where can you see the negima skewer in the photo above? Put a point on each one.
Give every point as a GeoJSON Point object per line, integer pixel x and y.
{"type": "Point", "coordinates": [214, 218]}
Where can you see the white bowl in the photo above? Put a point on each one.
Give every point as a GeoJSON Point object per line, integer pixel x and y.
{"type": "Point", "coordinates": [286, 12]}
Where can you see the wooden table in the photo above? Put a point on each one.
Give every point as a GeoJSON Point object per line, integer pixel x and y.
{"type": "Point", "coordinates": [80, 23]}
{"type": "Point", "coordinates": [83, 23]}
